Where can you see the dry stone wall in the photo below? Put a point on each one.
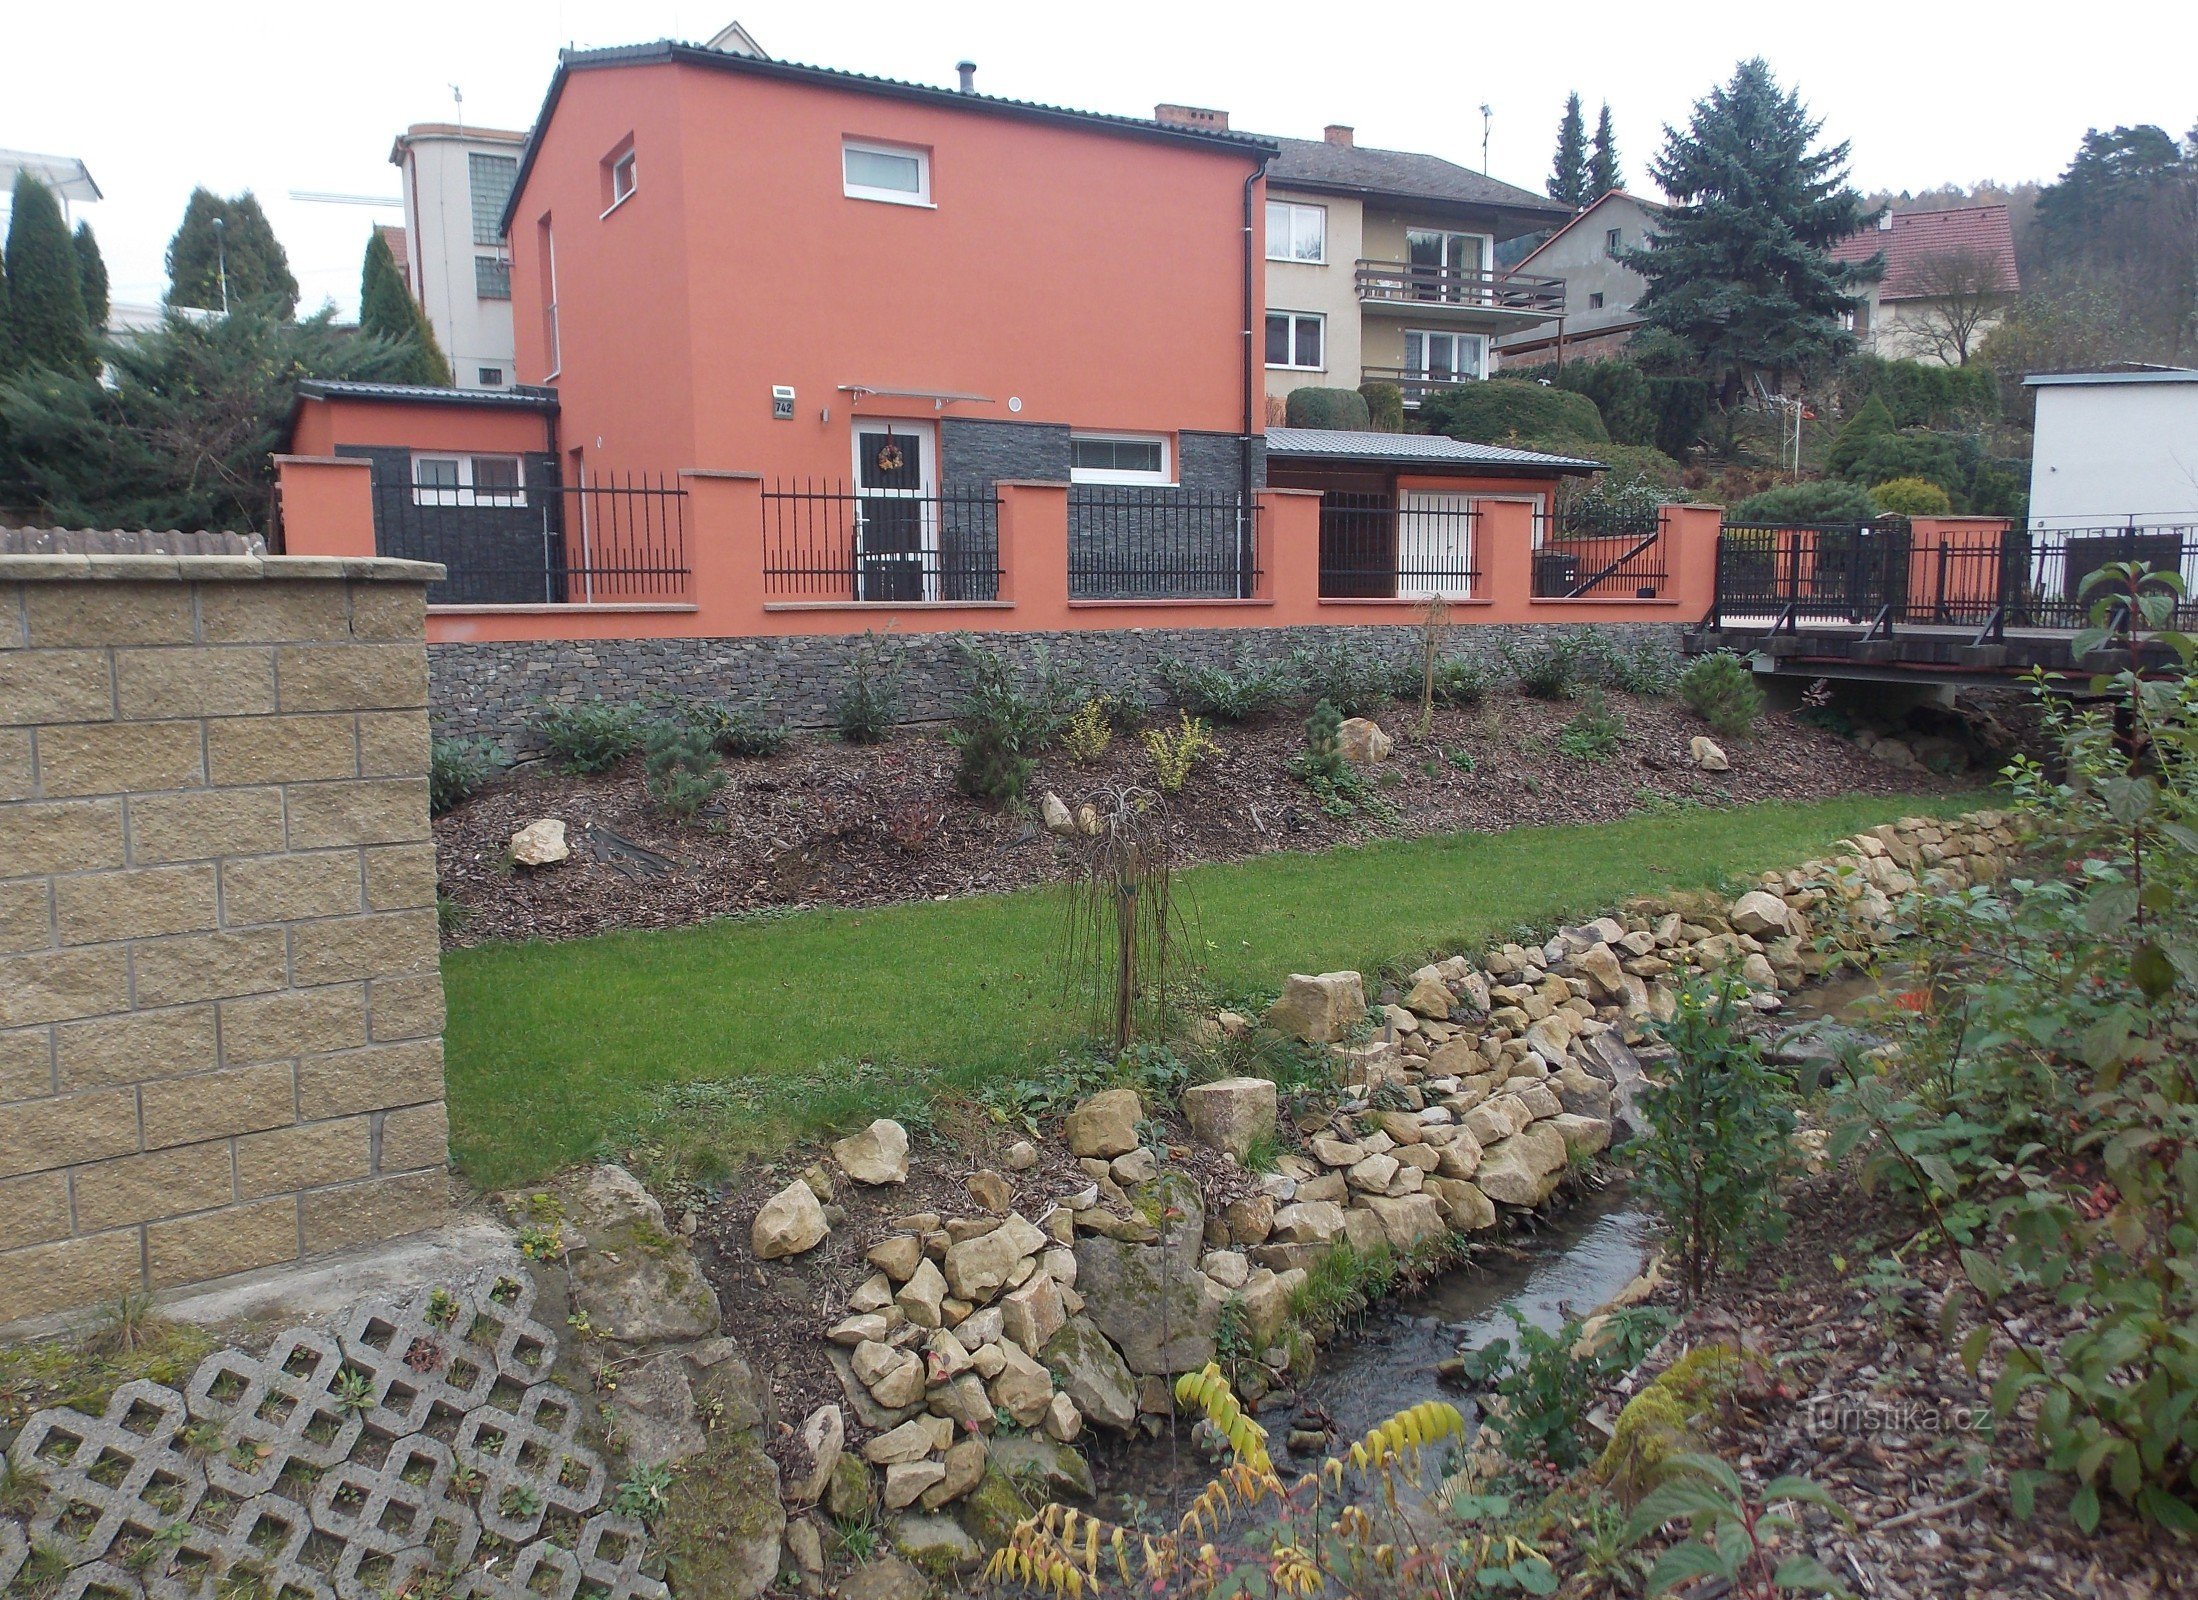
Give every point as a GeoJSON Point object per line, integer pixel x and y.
{"type": "Point", "coordinates": [220, 1009]}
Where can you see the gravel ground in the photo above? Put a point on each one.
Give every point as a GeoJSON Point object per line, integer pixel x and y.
{"type": "Point", "coordinates": [826, 823]}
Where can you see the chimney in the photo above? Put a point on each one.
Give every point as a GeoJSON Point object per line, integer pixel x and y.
{"type": "Point", "coordinates": [968, 71]}
{"type": "Point", "coordinates": [1337, 133]}
{"type": "Point", "coordinates": [1201, 117]}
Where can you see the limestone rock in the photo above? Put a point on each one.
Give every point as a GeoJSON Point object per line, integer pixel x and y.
{"type": "Point", "coordinates": [965, 1467]}
{"type": "Point", "coordinates": [1023, 1388]}
{"type": "Point", "coordinates": [1054, 1470]}
{"type": "Point", "coordinates": [906, 1480]}
{"type": "Point", "coordinates": [1063, 1421]}
{"type": "Point", "coordinates": [976, 1269]}
{"type": "Point", "coordinates": [1763, 915]}
{"type": "Point", "coordinates": [790, 1222]}
{"type": "Point", "coordinates": [1132, 1291]}
{"type": "Point", "coordinates": [1361, 742]}
{"type": "Point", "coordinates": [540, 844]}
{"type": "Point", "coordinates": [1583, 1136]}
{"type": "Point", "coordinates": [990, 1190]}
{"type": "Point", "coordinates": [897, 1255]}
{"type": "Point", "coordinates": [885, 1578]}
{"type": "Point", "coordinates": [878, 1155]}
{"type": "Point", "coordinates": [1231, 1114]}
{"type": "Point", "coordinates": [1408, 1220]}
{"type": "Point", "coordinates": [1033, 1313]}
{"type": "Point", "coordinates": [635, 1280]}
{"type": "Point", "coordinates": [1523, 1170]}
{"type": "Point", "coordinates": [1022, 1155]}
{"type": "Point", "coordinates": [725, 1530]}
{"type": "Point", "coordinates": [922, 1298]}
{"type": "Point", "coordinates": [1464, 1206]}
{"type": "Point", "coordinates": [1105, 1125]}
{"type": "Point", "coordinates": [1319, 1009]}
{"type": "Point", "coordinates": [1053, 811]}
{"type": "Point", "coordinates": [1092, 1373]}
{"type": "Point", "coordinates": [1430, 997]}
{"type": "Point", "coordinates": [1705, 753]}
{"type": "Point", "coordinates": [911, 1441]}
{"type": "Point", "coordinates": [818, 1445]}
{"type": "Point", "coordinates": [1308, 1222]}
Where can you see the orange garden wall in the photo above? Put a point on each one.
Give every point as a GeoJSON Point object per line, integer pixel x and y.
{"type": "Point", "coordinates": [1097, 277]}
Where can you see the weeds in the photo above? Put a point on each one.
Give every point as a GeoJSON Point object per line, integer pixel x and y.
{"type": "Point", "coordinates": [734, 730]}
{"type": "Point", "coordinates": [1595, 733]}
{"type": "Point", "coordinates": [1550, 668]}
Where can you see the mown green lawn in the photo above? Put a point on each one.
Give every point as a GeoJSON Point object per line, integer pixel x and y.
{"type": "Point", "coordinates": [551, 1044]}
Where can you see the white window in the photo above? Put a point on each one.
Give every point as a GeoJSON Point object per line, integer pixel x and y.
{"type": "Point", "coordinates": [889, 172]}
{"type": "Point", "coordinates": [1613, 240]}
{"type": "Point", "coordinates": [1118, 458]}
{"type": "Point", "coordinates": [1296, 339]}
{"type": "Point", "coordinates": [1296, 233]}
{"type": "Point", "coordinates": [467, 481]}
{"type": "Point", "coordinates": [1434, 358]}
{"type": "Point", "coordinates": [622, 177]}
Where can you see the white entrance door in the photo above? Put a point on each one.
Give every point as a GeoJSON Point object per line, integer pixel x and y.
{"type": "Point", "coordinates": [896, 511]}
{"type": "Point", "coordinates": [1434, 545]}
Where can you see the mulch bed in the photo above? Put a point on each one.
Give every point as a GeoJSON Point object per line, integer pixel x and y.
{"type": "Point", "coordinates": [825, 823]}
{"type": "Point", "coordinates": [1849, 1384]}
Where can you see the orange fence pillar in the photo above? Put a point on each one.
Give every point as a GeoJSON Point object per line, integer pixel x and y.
{"type": "Point", "coordinates": [1503, 538]}
{"type": "Point", "coordinates": [1289, 529]}
{"type": "Point", "coordinates": [724, 550]}
{"type": "Point", "coordinates": [324, 505]}
{"type": "Point", "coordinates": [1034, 552]}
{"type": "Point", "coordinates": [1689, 536]}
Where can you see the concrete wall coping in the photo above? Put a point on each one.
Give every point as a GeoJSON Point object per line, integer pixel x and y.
{"type": "Point", "coordinates": [213, 569]}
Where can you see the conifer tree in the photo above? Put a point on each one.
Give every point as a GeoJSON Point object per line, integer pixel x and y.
{"type": "Point", "coordinates": [45, 301]}
{"type": "Point", "coordinates": [7, 327]}
{"type": "Point", "coordinates": [1740, 265]}
{"type": "Point", "coordinates": [1602, 160]}
{"type": "Point", "coordinates": [243, 251]}
{"type": "Point", "coordinates": [387, 309]}
{"type": "Point", "coordinates": [91, 278]}
{"type": "Point", "coordinates": [1568, 175]}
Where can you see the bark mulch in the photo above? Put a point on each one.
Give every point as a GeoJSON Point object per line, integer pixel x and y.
{"type": "Point", "coordinates": [824, 823]}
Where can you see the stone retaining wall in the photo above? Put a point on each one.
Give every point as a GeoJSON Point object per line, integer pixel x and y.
{"type": "Point", "coordinates": [220, 1008]}
{"type": "Point", "coordinates": [493, 689]}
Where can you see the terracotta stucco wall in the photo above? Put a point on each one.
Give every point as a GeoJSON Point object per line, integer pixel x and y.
{"type": "Point", "coordinates": [220, 1010]}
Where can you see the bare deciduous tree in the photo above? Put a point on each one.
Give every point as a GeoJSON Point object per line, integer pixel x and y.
{"type": "Point", "coordinates": [1958, 294]}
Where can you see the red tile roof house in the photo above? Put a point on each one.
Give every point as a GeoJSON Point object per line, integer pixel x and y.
{"type": "Point", "coordinates": [1959, 260]}
{"type": "Point", "coordinates": [806, 354]}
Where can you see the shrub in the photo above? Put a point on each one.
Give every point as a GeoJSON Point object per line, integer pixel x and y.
{"type": "Point", "coordinates": [1174, 752]}
{"type": "Point", "coordinates": [589, 735]}
{"type": "Point", "coordinates": [679, 766]}
{"type": "Point", "coordinates": [1936, 457]}
{"type": "Point", "coordinates": [1549, 668]}
{"type": "Point", "coordinates": [458, 769]}
{"type": "Point", "coordinates": [1322, 757]}
{"type": "Point", "coordinates": [1350, 675]}
{"type": "Point", "coordinates": [734, 730]}
{"type": "Point", "coordinates": [1720, 688]}
{"type": "Point", "coordinates": [1461, 681]}
{"type": "Point", "coordinates": [1594, 734]}
{"type": "Point", "coordinates": [1547, 1382]}
{"type": "Point", "coordinates": [1821, 500]}
{"type": "Point", "coordinates": [1911, 497]}
{"type": "Point", "coordinates": [1253, 688]}
{"type": "Point", "coordinates": [1873, 421]}
{"type": "Point", "coordinates": [1719, 1134]}
{"type": "Point", "coordinates": [1643, 667]}
{"type": "Point", "coordinates": [870, 705]}
{"type": "Point", "coordinates": [1917, 394]}
{"type": "Point", "coordinates": [1000, 728]}
{"type": "Point", "coordinates": [1313, 407]}
{"type": "Point", "coordinates": [1638, 470]}
{"type": "Point", "coordinates": [1087, 733]}
{"type": "Point", "coordinates": [1384, 406]}
{"type": "Point", "coordinates": [1509, 411]}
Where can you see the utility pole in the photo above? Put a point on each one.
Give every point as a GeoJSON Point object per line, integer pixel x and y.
{"type": "Point", "coordinates": [1487, 116]}
{"type": "Point", "coordinates": [221, 263]}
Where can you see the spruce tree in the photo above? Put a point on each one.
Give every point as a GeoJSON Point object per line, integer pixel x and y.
{"type": "Point", "coordinates": [1602, 160]}
{"type": "Point", "coordinates": [91, 277]}
{"type": "Point", "coordinates": [7, 323]}
{"type": "Point", "coordinates": [244, 251]}
{"type": "Point", "coordinates": [1740, 267]}
{"type": "Point", "coordinates": [388, 310]}
{"type": "Point", "coordinates": [1568, 176]}
{"type": "Point", "coordinates": [45, 301]}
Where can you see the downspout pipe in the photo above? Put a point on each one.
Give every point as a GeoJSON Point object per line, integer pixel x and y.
{"type": "Point", "coordinates": [1246, 517]}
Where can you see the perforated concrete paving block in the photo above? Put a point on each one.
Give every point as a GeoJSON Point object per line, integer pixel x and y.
{"type": "Point", "coordinates": [340, 1465]}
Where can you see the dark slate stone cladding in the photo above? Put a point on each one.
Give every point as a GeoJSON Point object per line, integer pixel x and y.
{"type": "Point", "coordinates": [493, 690]}
{"type": "Point", "coordinates": [497, 555]}
{"type": "Point", "coordinates": [972, 452]}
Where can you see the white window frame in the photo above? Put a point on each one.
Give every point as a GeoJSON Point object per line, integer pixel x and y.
{"type": "Point", "coordinates": [1292, 208]}
{"type": "Point", "coordinates": [1296, 317]}
{"type": "Point", "coordinates": [892, 197]}
{"type": "Point", "coordinates": [1424, 373]}
{"type": "Point", "coordinates": [623, 162]}
{"type": "Point", "coordinates": [1614, 240]}
{"type": "Point", "coordinates": [463, 493]}
{"type": "Point", "coordinates": [1164, 476]}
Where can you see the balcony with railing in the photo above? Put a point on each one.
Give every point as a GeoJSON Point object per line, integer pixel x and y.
{"type": "Point", "coordinates": [1459, 293]}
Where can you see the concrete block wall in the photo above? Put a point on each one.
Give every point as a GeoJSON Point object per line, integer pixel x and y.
{"type": "Point", "coordinates": [220, 1009]}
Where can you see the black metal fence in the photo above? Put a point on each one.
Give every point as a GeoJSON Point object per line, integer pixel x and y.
{"type": "Point", "coordinates": [1132, 543]}
{"type": "Point", "coordinates": [1601, 552]}
{"type": "Point", "coordinates": [825, 541]}
{"type": "Point", "coordinates": [1888, 574]}
{"type": "Point", "coordinates": [618, 540]}
{"type": "Point", "coordinates": [1387, 547]}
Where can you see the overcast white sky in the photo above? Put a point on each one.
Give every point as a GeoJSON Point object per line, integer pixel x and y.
{"type": "Point", "coordinates": [276, 97]}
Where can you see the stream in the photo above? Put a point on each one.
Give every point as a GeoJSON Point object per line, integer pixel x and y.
{"type": "Point", "coordinates": [1567, 1263]}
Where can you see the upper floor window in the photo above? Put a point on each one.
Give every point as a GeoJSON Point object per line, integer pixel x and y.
{"type": "Point", "coordinates": [617, 175]}
{"type": "Point", "coordinates": [1613, 240]}
{"type": "Point", "coordinates": [1595, 301]}
{"type": "Point", "coordinates": [467, 481]}
{"type": "Point", "coordinates": [489, 178]}
{"type": "Point", "coordinates": [1295, 232]}
{"type": "Point", "coordinates": [1294, 339]}
{"type": "Point", "coordinates": [492, 377]}
{"type": "Point", "coordinates": [1118, 458]}
{"type": "Point", "coordinates": [492, 278]}
{"type": "Point", "coordinates": [889, 172]}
